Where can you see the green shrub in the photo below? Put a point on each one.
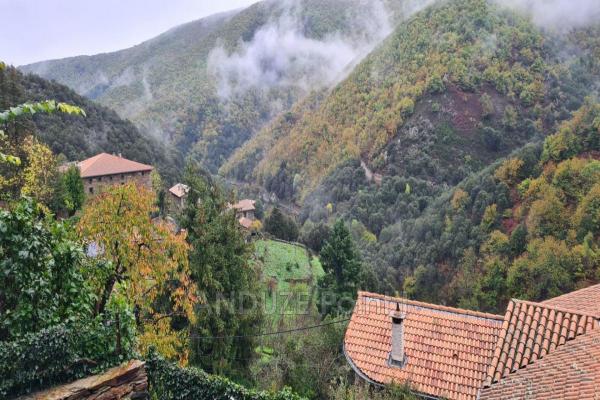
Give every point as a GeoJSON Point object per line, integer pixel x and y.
{"type": "Point", "coordinates": [168, 381]}
{"type": "Point", "coordinates": [60, 354]}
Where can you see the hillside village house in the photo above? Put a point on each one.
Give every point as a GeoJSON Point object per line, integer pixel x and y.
{"type": "Point", "coordinates": [177, 195]}
{"type": "Point", "coordinates": [244, 212]}
{"type": "Point", "coordinates": [545, 350]}
{"type": "Point", "coordinates": [106, 169]}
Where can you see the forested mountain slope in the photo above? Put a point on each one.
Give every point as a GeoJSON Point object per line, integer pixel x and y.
{"type": "Point", "coordinates": [102, 130]}
{"type": "Point", "coordinates": [440, 103]}
{"type": "Point", "coordinates": [526, 227]}
{"type": "Point", "coordinates": [459, 85]}
{"type": "Point", "coordinates": [209, 85]}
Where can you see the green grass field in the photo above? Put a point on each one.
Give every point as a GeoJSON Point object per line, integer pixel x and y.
{"type": "Point", "coordinates": [289, 274]}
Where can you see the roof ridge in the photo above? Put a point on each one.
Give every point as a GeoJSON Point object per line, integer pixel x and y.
{"type": "Point", "coordinates": [578, 290]}
{"type": "Point", "coordinates": [557, 308]}
{"type": "Point", "coordinates": [569, 294]}
{"type": "Point", "coordinates": [95, 159]}
{"type": "Point", "coordinates": [460, 311]}
{"type": "Point", "coordinates": [525, 338]}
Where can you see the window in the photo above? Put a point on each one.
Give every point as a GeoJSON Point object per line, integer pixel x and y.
{"type": "Point", "coordinates": [100, 179]}
{"type": "Point", "coordinates": [110, 178]}
{"type": "Point", "coordinates": [143, 173]}
{"type": "Point", "coordinates": [91, 190]}
{"type": "Point", "coordinates": [91, 180]}
{"type": "Point", "coordinates": [122, 176]}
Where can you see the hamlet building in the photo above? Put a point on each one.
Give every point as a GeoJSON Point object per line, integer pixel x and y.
{"type": "Point", "coordinates": [536, 350]}
{"type": "Point", "coordinates": [244, 212]}
{"type": "Point", "coordinates": [177, 195]}
{"type": "Point", "coordinates": [105, 169]}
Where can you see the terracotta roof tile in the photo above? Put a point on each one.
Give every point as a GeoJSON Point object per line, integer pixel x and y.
{"type": "Point", "coordinates": [570, 372]}
{"type": "Point", "coordinates": [532, 330]}
{"type": "Point", "coordinates": [448, 349]}
{"type": "Point", "coordinates": [585, 300]}
{"type": "Point", "coordinates": [245, 222]}
{"type": "Point", "coordinates": [179, 190]}
{"type": "Point", "coordinates": [107, 164]}
{"type": "Point", "coordinates": [245, 205]}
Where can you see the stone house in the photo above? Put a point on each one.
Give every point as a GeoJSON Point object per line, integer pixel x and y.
{"type": "Point", "coordinates": [104, 170]}
{"type": "Point", "coordinates": [177, 195]}
{"type": "Point", "coordinates": [245, 209]}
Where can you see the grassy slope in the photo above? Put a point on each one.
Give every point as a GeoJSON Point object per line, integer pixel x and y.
{"type": "Point", "coordinates": [285, 263]}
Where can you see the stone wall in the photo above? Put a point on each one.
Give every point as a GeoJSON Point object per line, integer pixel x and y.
{"type": "Point", "coordinates": [128, 381]}
{"type": "Point", "coordinates": [100, 183]}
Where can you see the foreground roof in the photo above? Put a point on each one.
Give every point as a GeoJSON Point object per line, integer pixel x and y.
{"type": "Point", "coordinates": [547, 350]}
{"type": "Point", "coordinates": [584, 300]}
{"type": "Point", "coordinates": [108, 164]}
{"type": "Point", "coordinates": [570, 372]}
{"type": "Point", "coordinates": [179, 190]}
{"type": "Point", "coordinates": [532, 330]}
{"type": "Point", "coordinates": [448, 349]}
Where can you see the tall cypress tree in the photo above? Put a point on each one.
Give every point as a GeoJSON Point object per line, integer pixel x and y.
{"type": "Point", "coordinates": [344, 271]}
{"type": "Point", "coordinates": [228, 285]}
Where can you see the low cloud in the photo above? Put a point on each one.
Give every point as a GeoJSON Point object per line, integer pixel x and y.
{"type": "Point", "coordinates": [559, 15]}
{"type": "Point", "coordinates": [281, 55]}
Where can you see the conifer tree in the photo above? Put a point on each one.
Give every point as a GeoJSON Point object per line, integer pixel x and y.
{"type": "Point", "coordinates": [343, 271]}
{"type": "Point", "coordinates": [228, 285]}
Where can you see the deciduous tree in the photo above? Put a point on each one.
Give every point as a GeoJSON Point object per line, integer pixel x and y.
{"type": "Point", "coordinates": [147, 262]}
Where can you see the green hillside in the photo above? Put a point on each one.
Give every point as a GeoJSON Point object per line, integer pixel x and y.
{"type": "Point", "coordinates": [435, 106]}
{"type": "Point", "coordinates": [182, 86]}
{"type": "Point", "coordinates": [102, 130]}
{"type": "Point", "coordinates": [458, 86]}
{"type": "Point", "coordinates": [526, 227]}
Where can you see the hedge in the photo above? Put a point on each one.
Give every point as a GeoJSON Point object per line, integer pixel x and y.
{"type": "Point", "coordinates": [167, 381]}
{"type": "Point", "coordinates": [58, 354]}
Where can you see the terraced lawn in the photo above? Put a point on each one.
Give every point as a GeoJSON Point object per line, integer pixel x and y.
{"type": "Point", "coordinates": [290, 275]}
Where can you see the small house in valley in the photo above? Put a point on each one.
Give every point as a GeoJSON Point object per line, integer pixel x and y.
{"type": "Point", "coordinates": [245, 209]}
{"type": "Point", "coordinates": [105, 169]}
{"type": "Point", "coordinates": [244, 212]}
{"type": "Point", "coordinates": [177, 195]}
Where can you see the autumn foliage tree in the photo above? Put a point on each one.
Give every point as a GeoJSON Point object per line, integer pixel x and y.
{"type": "Point", "coordinates": [27, 166]}
{"type": "Point", "coordinates": [147, 263]}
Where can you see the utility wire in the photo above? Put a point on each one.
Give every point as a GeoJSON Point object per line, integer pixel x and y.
{"type": "Point", "coordinates": [304, 328]}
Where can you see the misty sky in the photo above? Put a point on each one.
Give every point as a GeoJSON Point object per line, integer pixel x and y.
{"type": "Point", "coordinates": [36, 30]}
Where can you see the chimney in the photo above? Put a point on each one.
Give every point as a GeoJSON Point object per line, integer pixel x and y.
{"type": "Point", "coordinates": [397, 356]}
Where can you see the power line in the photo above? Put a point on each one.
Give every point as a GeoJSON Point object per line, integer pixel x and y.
{"type": "Point", "coordinates": [304, 328]}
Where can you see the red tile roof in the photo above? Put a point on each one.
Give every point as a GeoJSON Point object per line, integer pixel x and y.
{"type": "Point", "coordinates": [107, 164]}
{"type": "Point", "coordinates": [584, 300]}
{"type": "Point", "coordinates": [569, 372]}
{"type": "Point", "coordinates": [245, 205]}
{"type": "Point", "coordinates": [548, 350]}
{"type": "Point", "coordinates": [245, 222]}
{"type": "Point", "coordinates": [448, 349]}
{"type": "Point", "coordinates": [532, 330]}
{"type": "Point", "coordinates": [179, 190]}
